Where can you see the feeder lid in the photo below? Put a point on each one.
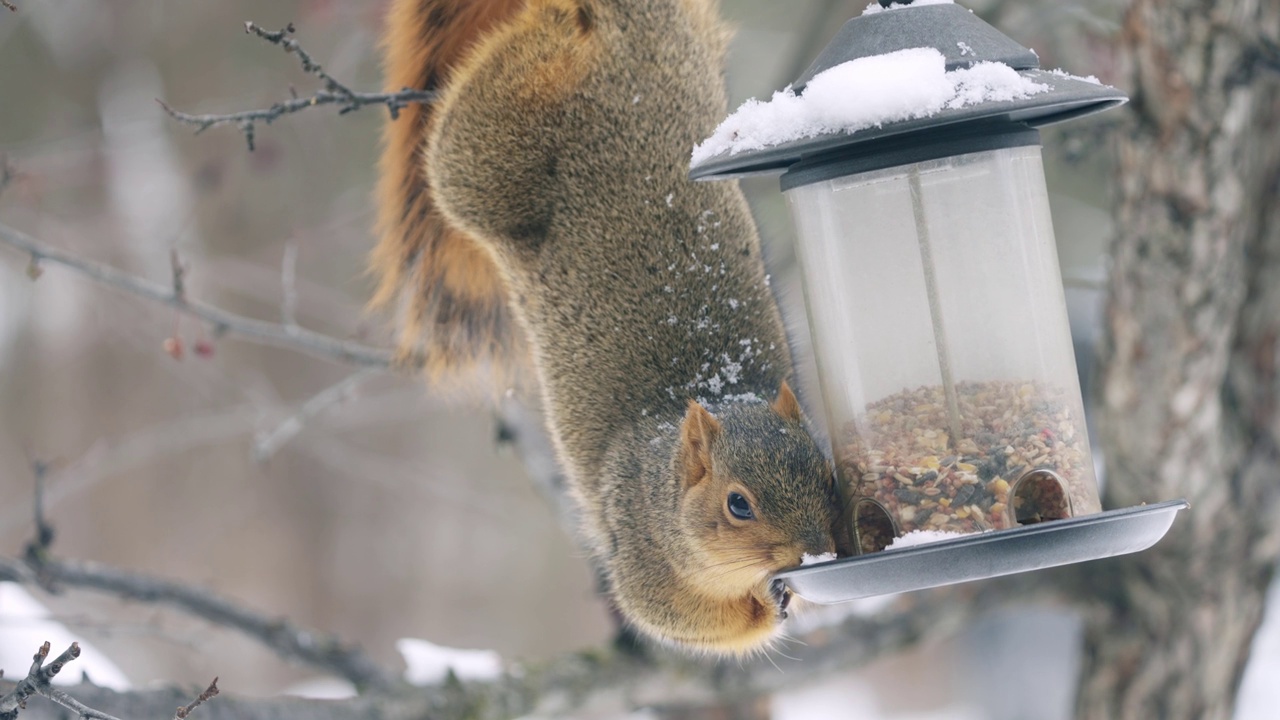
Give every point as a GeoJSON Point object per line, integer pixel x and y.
{"type": "Point", "coordinates": [895, 46]}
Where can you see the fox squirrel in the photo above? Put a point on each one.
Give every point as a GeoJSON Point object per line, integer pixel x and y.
{"type": "Point", "coordinates": [541, 209]}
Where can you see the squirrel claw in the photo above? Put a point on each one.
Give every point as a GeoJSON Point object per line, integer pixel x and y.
{"type": "Point", "coordinates": [782, 596]}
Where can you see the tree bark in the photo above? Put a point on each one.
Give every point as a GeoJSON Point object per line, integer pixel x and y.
{"type": "Point", "coordinates": [1188, 385]}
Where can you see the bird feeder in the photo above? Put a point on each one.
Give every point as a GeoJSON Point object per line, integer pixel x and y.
{"type": "Point", "coordinates": [909, 153]}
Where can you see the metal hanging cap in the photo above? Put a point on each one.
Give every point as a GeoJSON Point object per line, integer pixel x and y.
{"type": "Point", "coordinates": [964, 41]}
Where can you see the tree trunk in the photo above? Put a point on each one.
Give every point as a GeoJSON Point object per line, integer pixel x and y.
{"type": "Point", "coordinates": [1188, 387]}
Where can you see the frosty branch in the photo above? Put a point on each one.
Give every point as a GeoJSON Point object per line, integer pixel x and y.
{"type": "Point", "coordinates": [332, 93]}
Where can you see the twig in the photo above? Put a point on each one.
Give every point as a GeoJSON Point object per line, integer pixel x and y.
{"type": "Point", "coordinates": [39, 682]}
{"type": "Point", "coordinates": [209, 693]}
{"type": "Point", "coordinates": [286, 639]}
{"type": "Point", "coordinates": [334, 93]}
{"type": "Point", "coordinates": [11, 6]}
{"type": "Point", "coordinates": [289, 286]}
{"type": "Point", "coordinates": [224, 322]}
{"type": "Point", "coordinates": [44, 531]}
{"type": "Point", "coordinates": [282, 39]}
{"type": "Point", "coordinates": [269, 443]}
{"type": "Point", "coordinates": [179, 275]}
{"type": "Point", "coordinates": [6, 170]}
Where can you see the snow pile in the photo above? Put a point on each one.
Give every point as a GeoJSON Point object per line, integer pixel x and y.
{"type": "Point", "coordinates": [808, 559]}
{"type": "Point", "coordinates": [427, 663]}
{"type": "Point", "coordinates": [922, 537]}
{"type": "Point", "coordinates": [863, 93]}
{"type": "Point", "coordinates": [875, 7]}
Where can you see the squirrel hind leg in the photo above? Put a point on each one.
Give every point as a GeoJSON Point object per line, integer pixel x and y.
{"type": "Point", "coordinates": [495, 152]}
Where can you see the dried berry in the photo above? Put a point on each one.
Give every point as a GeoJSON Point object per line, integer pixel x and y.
{"type": "Point", "coordinates": [173, 346]}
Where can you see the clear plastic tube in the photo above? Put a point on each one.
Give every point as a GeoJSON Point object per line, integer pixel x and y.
{"type": "Point", "coordinates": [943, 348]}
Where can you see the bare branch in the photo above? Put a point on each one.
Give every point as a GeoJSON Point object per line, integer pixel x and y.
{"type": "Point", "coordinates": [286, 639]}
{"type": "Point", "coordinates": [209, 693]}
{"type": "Point", "coordinates": [14, 570]}
{"type": "Point", "coordinates": [44, 531]}
{"type": "Point", "coordinates": [7, 173]}
{"type": "Point", "coordinates": [179, 274]}
{"type": "Point", "coordinates": [223, 322]}
{"type": "Point", "coordinates": [334, 93]}
{"type": "Point", "coordinates": [267, 444]}
{"type": "Point", "coordinates": [84, 711]}
{"type": "Point", "coordinates": [39, 682]}
{"type": "Point", "coordinates": [289, 286]}
{"type": "Point", "coordinates": [282, 39]}
{"type": "Point", "coordinates": [17, 699]}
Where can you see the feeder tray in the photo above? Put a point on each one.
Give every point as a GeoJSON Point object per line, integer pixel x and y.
{"type": "Point", "coordinates": [984, 555]}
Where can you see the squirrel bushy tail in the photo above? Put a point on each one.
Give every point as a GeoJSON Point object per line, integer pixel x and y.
{"type": "Point", "coordinates": [450, 300]}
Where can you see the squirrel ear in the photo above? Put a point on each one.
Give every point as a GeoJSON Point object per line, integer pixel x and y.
{"type": "Point", "coordinates": [697, 432]}
{"type": "Point", "coordinates": [786, 404]}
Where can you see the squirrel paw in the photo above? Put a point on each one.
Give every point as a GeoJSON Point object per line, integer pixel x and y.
{"type": "Point", "coordinates": [781, 595]}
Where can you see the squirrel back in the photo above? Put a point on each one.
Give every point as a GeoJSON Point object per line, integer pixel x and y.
{"type": "Point", "coordinates": [558, 149]}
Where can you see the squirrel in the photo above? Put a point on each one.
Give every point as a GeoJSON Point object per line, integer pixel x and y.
{"type": "Point", "coordinates": [539, 214]}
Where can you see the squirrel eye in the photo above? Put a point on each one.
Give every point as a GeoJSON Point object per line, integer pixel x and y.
{"type": "Point", "coordinates": [740, 508]}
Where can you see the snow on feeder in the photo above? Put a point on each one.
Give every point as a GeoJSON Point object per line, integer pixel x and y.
{"type": "Point", "coordinates": [910, 157]}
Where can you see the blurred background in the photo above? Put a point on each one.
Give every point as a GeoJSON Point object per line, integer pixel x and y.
{"type": "Point", "coordinates": [395, 513]}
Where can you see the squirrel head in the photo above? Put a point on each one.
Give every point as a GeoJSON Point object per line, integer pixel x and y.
{"type": "Point", "coordinates": [756, 494]}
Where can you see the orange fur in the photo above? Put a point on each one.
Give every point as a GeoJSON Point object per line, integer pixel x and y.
{"type": "Point", "coordinates": [452, 301]}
